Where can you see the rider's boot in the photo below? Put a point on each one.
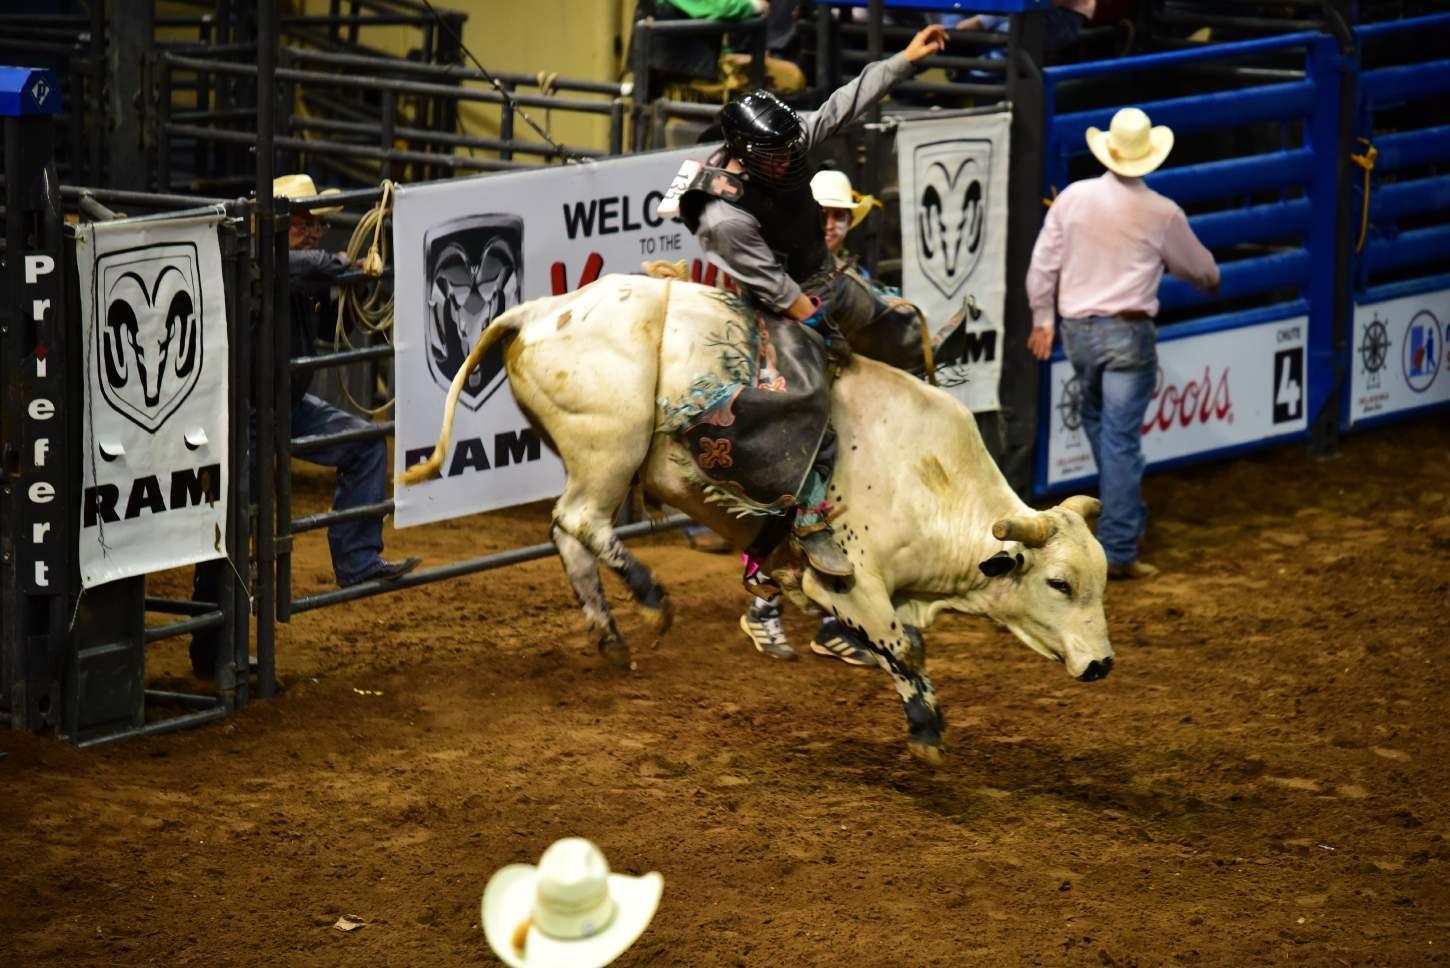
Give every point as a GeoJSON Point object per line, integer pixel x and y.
{"type": "Point", "coordinates": [817, 542]}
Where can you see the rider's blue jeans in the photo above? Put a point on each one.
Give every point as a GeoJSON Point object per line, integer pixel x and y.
{"type": "Point", "coordinates": [1116, 362]}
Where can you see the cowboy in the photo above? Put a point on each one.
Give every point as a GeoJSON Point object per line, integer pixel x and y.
{"type": "Point", "coordinates": [1098, 262]}
{"type": "Point", "coordinates": [570, 910]}
{"type": "Point", "coordinates": [362, 465]}
{"type": "Point", "coordinates": [754, 216]}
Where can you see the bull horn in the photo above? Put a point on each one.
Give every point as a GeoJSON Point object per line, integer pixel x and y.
{"type": "Point", "coordinates": [1088, 507]}
{"type": "Point", "coordinates": [1032, 530]}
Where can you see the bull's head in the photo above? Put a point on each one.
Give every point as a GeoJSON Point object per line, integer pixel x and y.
{"type": "Point", "coordinates": [143, 329]}
{"type": "Point", "coordinates": [1047, 585]}
{"type": "Point", "coordinates": [950, 217]}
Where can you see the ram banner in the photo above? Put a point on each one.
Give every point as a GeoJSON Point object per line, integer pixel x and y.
{"type": "Point", "coordinates": [465, 251]}
{"type": "Point", "coordinates": [154, 332]}
{"type": "Point", "coordinates": [953, 175]}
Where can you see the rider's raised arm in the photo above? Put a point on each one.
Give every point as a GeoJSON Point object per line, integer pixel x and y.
{"type": "Point", "coordinates": [732, 241]}
{"type": "Point", "coordinates": [851, 101]}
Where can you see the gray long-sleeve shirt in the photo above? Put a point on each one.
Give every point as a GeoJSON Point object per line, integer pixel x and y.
{"type": "Point", "coordinates": [731, 236]}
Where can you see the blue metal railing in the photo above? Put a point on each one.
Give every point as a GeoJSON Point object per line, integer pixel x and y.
{"type": "Point", "coordinates": [1398, 279]}
{"type": "Point", "coordinates": [1298, 230]}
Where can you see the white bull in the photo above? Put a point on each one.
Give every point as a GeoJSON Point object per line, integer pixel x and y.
{"type": "Point", "coordinates": [929, 522]}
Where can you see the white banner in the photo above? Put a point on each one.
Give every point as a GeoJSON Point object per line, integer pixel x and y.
{"type": "Point", "coordinates": [953, 174]}
{"type": "Point", "coordinates": [154, 330]}
{"type": "Point", "coordinates": [465, 251]}
{"type": "Point", "coordinates": [1399, 355]}
{"type": "Point", "coordinates": [1214, 390]}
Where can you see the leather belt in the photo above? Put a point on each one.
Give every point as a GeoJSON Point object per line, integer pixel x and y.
{"type": "Point", "coordinates": [1133, 315]}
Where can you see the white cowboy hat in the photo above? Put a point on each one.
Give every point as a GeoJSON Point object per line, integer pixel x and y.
{"type": "Point", "coordinates": [832, 189]}
{"type": "Point", "coordinates": [302, 186]}
{"type": "Point", "coordinates": [569, 912]}
{"type": "Point", "coordinates": [1131, 146]}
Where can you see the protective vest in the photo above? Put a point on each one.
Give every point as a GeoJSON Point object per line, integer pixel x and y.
{"type": "Point", "coordinates": [791, 222]}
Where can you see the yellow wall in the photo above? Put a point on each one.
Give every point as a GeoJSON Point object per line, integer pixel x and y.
{"type": "Point", "coordinates": [573, 38]}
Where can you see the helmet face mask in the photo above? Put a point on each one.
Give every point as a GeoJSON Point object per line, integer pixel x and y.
{"type": "Point", "coordinates": [767, 138]}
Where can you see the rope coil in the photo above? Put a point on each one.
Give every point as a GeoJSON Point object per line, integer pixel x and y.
{"type": "Point", "coordinates": [370, 305]}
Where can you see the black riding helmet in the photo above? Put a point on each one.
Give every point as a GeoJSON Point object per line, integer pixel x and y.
{"type": "Point", "coordinates": [767, 137]}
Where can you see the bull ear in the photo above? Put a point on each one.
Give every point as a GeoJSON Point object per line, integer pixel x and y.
{"type": "Point", "coordinates": [1000, 564]}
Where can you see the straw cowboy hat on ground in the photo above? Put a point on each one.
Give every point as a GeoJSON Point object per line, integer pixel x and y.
{"type": "Point", "coordinates": [1131, 146]}
{"type": "Point", "coordinates": [569, 911]}
{"type": "Point", "coordinates": [832, 189]}
{"type": "Point", "coordinates": [302, 186]}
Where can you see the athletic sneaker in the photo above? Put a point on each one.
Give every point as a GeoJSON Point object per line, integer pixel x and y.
{"type": "Point", "coordinates": [762, 623]}
{"type": "Point", "coordinates": [835, 641]}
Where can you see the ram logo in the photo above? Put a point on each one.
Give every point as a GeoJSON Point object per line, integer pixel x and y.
{"type": "Point", "coordinates": [951, 209]}
{"type": "Point", "coordinates": [474, 269]}
{"type": "Point", "coordinates": [148, 346]}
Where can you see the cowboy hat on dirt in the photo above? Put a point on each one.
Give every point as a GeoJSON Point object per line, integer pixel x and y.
{"type": "Point", "coordinates": [302, 186]}
{"type": "Point", "coordinates": [1131, 146]}
{"type": "Point", "coordinates": [832, 189]}
{"type": "Point", "coordinates": [569, 911]}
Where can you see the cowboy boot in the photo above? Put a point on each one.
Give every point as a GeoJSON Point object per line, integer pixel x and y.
{"type": "Point", "coordinates": [818, 543]}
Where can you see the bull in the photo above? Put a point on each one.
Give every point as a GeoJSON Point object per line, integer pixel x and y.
{"type": "Point", "coordinates": [926, 517]}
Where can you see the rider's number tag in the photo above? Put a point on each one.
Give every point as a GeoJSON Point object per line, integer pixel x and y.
{"type": "Point", "coordinates": [669, 206]}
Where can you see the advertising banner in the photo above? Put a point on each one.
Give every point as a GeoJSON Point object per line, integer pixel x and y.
{"type": "Point", "coordinates": [953, 174]}
{"type": "Point", "coordinates": [1400, 359]}
{"type": "Point", "coordinates": [154, 332]}
{"type": "Point", "coordinates": [1214, 390]}
{"type": "Point", "coordinates": [466, 250]}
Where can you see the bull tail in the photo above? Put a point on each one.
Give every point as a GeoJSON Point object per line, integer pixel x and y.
{"type": "Point", "coordinates": [505, 325]}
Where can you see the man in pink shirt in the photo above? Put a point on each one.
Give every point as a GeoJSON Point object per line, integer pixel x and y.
{"type": "Point", "coordinates": [1097, 263]}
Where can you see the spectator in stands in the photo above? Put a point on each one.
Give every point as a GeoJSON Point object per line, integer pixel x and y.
{"type": "Point", "coordinates": [362, 465]}
{"type": "Point", "coordinates": [1061, 26]}
{"type": "Point", "coordinates": [1098, 262]}
{"type": "Point", "coordinates": [694, 67]}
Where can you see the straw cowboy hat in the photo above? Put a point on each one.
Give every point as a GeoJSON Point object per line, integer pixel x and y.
{"type": "Point", "coordinates": [832, 189]}
{"type": "Point", "coordinates": [568, 912]}
{"type": "Point", "coordinates": [1131, 146]}
{"type": "Point", "coordinates": [302, 186]}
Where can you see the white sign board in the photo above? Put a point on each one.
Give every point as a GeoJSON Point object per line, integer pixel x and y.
{"type": "Point", "coordinates": [154, 331]}
{"type": "Point", "coordinates": [1214, 390]}
{"type": "Point", "coordinates": [465, 251]}
{"type": "Point", "coordinates": [953, 174]}
{"type": "Point", "coordinates": [1400, 360]}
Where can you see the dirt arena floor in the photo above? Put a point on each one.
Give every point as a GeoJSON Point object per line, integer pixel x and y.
{"type": "Point", "coordinates": [1262, 780]}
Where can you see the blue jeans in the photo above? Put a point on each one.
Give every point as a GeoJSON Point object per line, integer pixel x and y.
{"type": "Point", "coordinates": [362, 478]}
{"type": "Point", "coordinates": [1116, 362]}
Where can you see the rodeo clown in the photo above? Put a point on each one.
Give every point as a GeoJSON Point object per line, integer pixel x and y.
{"type": "Point", "coordinates": [751, 209]}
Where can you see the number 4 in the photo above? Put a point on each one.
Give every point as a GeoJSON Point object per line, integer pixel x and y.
{"type": "Point", "coordinates": [1289, 394]}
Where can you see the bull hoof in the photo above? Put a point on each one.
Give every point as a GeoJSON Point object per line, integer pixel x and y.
{"type": "Point", "coordinates": [616, 651]}
{"type": "Point", "coordinates": [926, 752]}
{"type": "Point", "coordinates": [661, 617]}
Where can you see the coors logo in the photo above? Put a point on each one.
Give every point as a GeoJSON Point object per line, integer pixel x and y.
{"type": "Point", "coordinates": [474, 270]}
{"type": "Point", "coordinates": [149, 343]}
{"type": "Point", "coordinates": [951, 209]}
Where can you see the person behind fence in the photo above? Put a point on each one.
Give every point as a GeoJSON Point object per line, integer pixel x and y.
{"type": "Point", "coordinates": [1098, 262]}
{"type": "Point", "coordinates": [362, 465]}
{"type": "Point", "coordinates": [751, 210]}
